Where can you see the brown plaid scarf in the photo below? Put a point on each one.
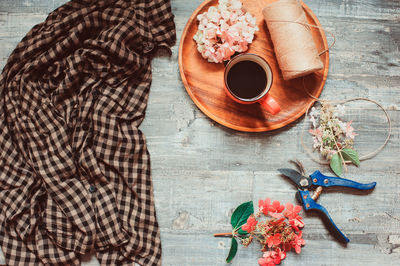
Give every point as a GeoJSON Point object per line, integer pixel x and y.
{"type": "Point", "coordinates": [74, 167]}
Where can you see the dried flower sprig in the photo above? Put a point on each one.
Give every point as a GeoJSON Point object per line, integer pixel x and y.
{"type": "Point", "coordinates": [333, 137]}
{"type": "Point", "coordinates": [277, 234]}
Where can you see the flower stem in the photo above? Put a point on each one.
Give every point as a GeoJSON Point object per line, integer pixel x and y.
{"type": "Point", "coordinates": [223, 234]}
{"type": "Point", "coordinates": [259, 239]}
{"type": "Point", "coordinates": [338, 149]}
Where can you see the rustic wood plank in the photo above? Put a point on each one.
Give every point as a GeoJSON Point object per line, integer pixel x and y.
{"type": "Point", "coordinates": [201, 170]}
{"type": "Point", "coordinates": [30, 6]}
{"type": "Point", "coordinates": [371, 9]}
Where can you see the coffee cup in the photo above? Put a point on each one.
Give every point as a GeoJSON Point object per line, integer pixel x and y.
{"type": "Point", "coordinates": [248, 79]}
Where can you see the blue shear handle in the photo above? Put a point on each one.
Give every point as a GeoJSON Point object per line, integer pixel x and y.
{"type": "Point", "coordinates": [310, 204]}
{"type": "Point", "coordinates": [329, 181]}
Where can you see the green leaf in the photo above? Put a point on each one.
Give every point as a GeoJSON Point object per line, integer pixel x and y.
{"type": "Point", "coordinates": [240, 215]}
{"type": "Point", "coordinates": [242, 232]}
{"type": "Point", "coordinates": [351, 155]}
{"type": "Point", "coordinates": [233, 250]}
{"type": "Point", "coordinates": [336, 164]}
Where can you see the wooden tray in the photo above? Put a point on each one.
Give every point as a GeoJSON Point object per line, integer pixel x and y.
{"type": "Point", "coordinates": [204, 81]}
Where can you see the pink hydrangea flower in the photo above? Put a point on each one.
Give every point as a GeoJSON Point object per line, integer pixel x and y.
{"type": "Point", "coordinates": [292, 211]}
{"type": "Point", "coordinates": [273, 209]}
{"type": "Point", "coordinates": [265, 262]}
{"type": "Point", "coordinates": [224, 30]}
{"type": "Point", "coordinates": [297, 223]}
{"type": "Point", "coordinates": [316, 132]}
{"type": "Point", "coordinates": [298, 242]}
{"type": "Point", "coordinates": [350, 131]}
{"type": "Point", "coordinates": [250, 225]}
{"type": "Point", "coordinates": [265, 206]}
{"type": "Point", "coordinates": [272, 257]}
{"type": "Point", "coordinates": [276, 209]}
{"type": "Point", "coordinates": [274, 240]}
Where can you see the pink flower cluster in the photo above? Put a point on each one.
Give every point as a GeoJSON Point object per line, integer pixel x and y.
{"type": "Point", "coordinates": [278, 234]}
{"type": "Point", "coordinates": [328, 130]}
{"type": "Point", "coordinates": [224, 30]}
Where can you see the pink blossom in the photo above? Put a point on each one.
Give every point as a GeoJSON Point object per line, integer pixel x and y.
{"type": "Point", "coordinates": [250, 225]}
{"type": "Point", "coordinates": [276, 209]}
{"type": "Point", "coordinates": [277, 235]}
{"type": "Point", "coordinates": [276, 222]}
{"type": "Point", "coordinates": [298, 242]}
{"type": "Point", "coordinates": [243, 46]}
{"type": "Point", "coordinates": [266, 262]}
{"type": "Point", "coordinates": [317, 138]}
{"type": "Point", "coordinates": [231, 24]}
{"type": "Point", "coordinates": [266, 206]}
{"type": "Point", "coordinates": [297, 223]}
{"type": "Point", "coordinates": [225, 37]}
{"type": "Point", "coordinates": [316, 132]}
{"type": "Point", "coordinates": [350, 131]}
{"type": "Point", "coordinates": [272, 257]}
{"type": "Point", "coordinates": [278, 206]}
{"type": "Point", "coordinates": [274, 240]}
{"type": "Point", "coordinates": [275, 215]}
{"type": "Point", "coordinates": [279, 256]}
{"type": "Point", "coordinates": [292, 211]}
{"type": "Point", "coordinates": [211, 33]}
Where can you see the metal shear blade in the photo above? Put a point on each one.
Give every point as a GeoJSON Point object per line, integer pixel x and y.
{"type": "Point", "coordinates": [300, 180]}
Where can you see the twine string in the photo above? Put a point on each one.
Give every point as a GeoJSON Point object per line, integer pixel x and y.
{"type": "Point", "coordinates": [314, 26]}
{"type": "Point", "coordinates": [308, 151]}
{"type": "Point", "coordinates": [292, 36]}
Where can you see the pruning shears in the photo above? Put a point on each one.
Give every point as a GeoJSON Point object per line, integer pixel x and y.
{"type": "Point", "coordinates": [318, 180]}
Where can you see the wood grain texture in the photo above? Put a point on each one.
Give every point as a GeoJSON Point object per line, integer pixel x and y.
{"type": "Point", "coordinates": [204, 81]}
{"type": "Point", "coordinates": [202, 170]}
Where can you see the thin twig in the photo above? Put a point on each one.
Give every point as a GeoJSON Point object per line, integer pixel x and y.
{"type": "Point", "coordinates": [392, 216]}
{"type": "Point", "coordinates": [338, 149]}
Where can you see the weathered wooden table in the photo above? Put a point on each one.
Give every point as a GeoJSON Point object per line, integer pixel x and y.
{"type": "Point", "coordinates": [202, 170]}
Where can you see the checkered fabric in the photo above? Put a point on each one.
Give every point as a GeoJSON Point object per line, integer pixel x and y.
{"type": "Point", "coordinates": [74, 167]}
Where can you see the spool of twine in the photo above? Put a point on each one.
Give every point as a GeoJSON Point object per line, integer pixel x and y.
{"type": "Point", "coordinates": [293, 43]}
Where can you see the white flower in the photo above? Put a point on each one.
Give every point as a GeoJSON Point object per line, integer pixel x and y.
{"type": "Point", "coordinates": [313, 121]}
{"type": "Point", "coordinates": [200, 48]}
{"type": "Point", "coordinates": [342, 125]}
{"type": "Point", "coordinates": [223, 3]}
{"type": "Point", "coordinates": [316, 143]}
{"type": "Point", "coordinates": [314, 112]}
{"type": "Point", "coordinates": [225, 14]}
{"type": "Point", "coordinates": [235, 4]}
{"type": "Point", "coordinates": [326, 134]}
{"type": "Point", "coordinates": [340, 109]}
{"type": "Point", "coordinates": [250, 19]}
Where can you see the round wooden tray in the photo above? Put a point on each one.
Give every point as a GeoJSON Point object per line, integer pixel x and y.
{"type": "Point", "coordinates": [204, 81]}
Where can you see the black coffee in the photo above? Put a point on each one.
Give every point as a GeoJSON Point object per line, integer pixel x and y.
{"type": "Point", "coordinates": [246, 79]}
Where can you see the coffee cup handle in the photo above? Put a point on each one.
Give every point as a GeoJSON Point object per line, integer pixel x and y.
{"type": "Point", "coordinates": [269, 104]}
